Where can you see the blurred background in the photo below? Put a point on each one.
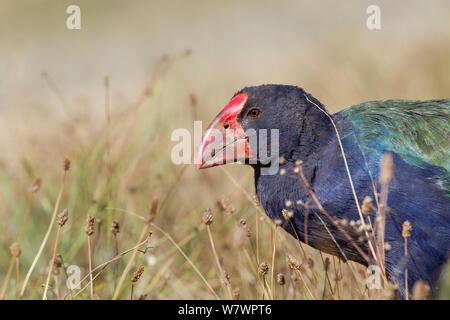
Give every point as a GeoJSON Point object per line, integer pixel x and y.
{"type": "Point", "coordinates": [169, 63]}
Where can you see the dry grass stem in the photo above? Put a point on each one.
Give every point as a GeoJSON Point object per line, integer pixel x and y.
{"type": "Point", "coordinates": [66, 167]}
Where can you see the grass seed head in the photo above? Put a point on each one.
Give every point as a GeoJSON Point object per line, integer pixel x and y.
{"type": "Point", "coordinates": [36, 185]}
{"type": "Point", "coordinates": [287, 214]}
{"type": "Point", "coordinates": [244, 226]}
{"type": "Point", "coordinates": [406, 229]}
{"type": "Point", "coordinates": [57, 263]}
{"type": "Point", "coordinates": [367, 206]}
{"type": "Point", "coordinates": [263, 268]}
{"type": "Point", "coordinates": [292, 263]}
{"type": "Point", "coordinates": [236, 294]}
{"type": "Point", "coordinates": [63, 217]}
{"type": "Point", "coordinates": [226, 278]}
{"type": "Point", "coordinates": [256, 200]}
{"type": "Point", "coordinates": [66, 164]}
{"type": "Point", "coordinates": [137, 274]}
{"type": "Point", "coordinates": [15, 249]}
{"type": "Point", "coordinates": [207, 217]}
{"type": "Point", "coordinates": [90, 225]}
{"type": "Point", "coordinates": [326, 264]}
{"type": "Point", "coordinates": [421, 290]}
{"type": "Point", "coordinates": [387, 168]}
{"type": "Point", "coordinates": [310, 263]}
{"type": "Point", "coordinates": [193, 99]}
{"type": "Point", "coordinates": [226, 205]}
{"type": "Point", "coordinates": [153, 210]}
{"type": "Point", "coordinates": [280, 279]}
{"type": "Point", "coordinates": [115, 227]}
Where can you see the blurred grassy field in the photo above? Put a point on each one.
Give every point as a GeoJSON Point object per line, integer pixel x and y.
{"type": "Point", "coordinates": [169, 64]}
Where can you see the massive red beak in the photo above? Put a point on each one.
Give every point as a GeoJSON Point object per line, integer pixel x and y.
{"type": "Point", "coordinates": [224, 141]}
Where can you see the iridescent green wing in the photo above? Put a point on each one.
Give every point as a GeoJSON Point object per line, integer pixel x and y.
{"type": "Point", "coordinates": [418, 131]}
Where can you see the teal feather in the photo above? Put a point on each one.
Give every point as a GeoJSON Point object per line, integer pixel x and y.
{"type": "Point", "coordinates": [418, 131]}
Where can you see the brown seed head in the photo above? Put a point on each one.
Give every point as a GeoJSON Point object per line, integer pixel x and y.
{"type": "Point", "coordinates": [90, 225]}
{"type": "Point", "coordinates": [193, 99]}
{"type": "Point", "coordinates": [421, 290]}
{"type": "Point", "coordinates": [226, 205]}
{"type": "Point", "coordinates": [406, 229]}
{"type": "Point", "coordinates": [263, 268]}
{"type": "Point", "coordinates": [153, 210]}
{"type": "Point", "coordinates": [226, 278]}
{"type": "Point", "coordinates": [387, 168]}
{"type": "Point", "coordinates": [15, 249]}
{"type": "Point", "coordinates": [207, 217]}
{"type": "Point", "coordinates": [292, 263]}
{"type": "Point", "coordinates": [367, 206]}
{"type": "Point", "coordinates": [244, 226]}
{"type": "Point", "coordinates": [256, 200]}
{"type": "Point", "coordinates": [36, 185]}
{"type": "Point", "coordinates": [310, 263]}
{"type": "Point", "coordinates": [66, 164]}
{"type": "Point", "coordinates": [302, 269]}
{"type": "Point", "coordinates": [142, 296]}
{"type": "Point", "coordinates": [115, 227]}
{"type": "Point", "coordinates": [326, 264]}
{"type": "Point", "coordinates": [287, 214]}
{"type": "Point", "coordinates": [280, 279]}
{"type": "Point", "coordinates": [63, 217]}
{"type": "Point", "coordinates": [236, 294]}
{"type": "Point", "coordinates": [137, 274]}
{"type": "Point", "coordinates": [248, 232]}
{"type": "Point", "coordinates": [57, 263]}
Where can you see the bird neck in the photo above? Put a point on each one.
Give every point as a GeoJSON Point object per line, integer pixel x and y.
{"type": "Point", "coordinates": [316, 160]}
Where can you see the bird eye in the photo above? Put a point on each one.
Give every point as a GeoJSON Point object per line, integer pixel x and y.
{"type": "Point", "coordinates": [254, 113]}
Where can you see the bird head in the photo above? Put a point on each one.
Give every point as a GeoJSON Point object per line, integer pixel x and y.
{"type": "Point", "coordinates": [243, 130]}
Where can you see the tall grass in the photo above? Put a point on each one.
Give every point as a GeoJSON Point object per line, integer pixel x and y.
{"type": "Point", "coordinates": [120, 167]}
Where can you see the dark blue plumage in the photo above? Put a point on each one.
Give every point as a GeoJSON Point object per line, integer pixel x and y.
{"type": "Point", "coordinates": [416, 133]}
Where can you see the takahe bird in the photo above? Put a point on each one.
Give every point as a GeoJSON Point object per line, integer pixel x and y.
{"type": "Point", "coordinates": [340, 157]}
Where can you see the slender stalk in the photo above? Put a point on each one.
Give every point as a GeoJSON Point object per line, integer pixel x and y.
{"type": "Point", "coordinates": [406, 270]}
{"type": "Point", "coordinates": [44, 241]}
{"type": "Point", "coordinates": [19, 241]}
{"type": "Point", "coordinates": [25, 218]}
{"type": "Point", "coordinates": [144, 232]}
{"type": "Point", "coordinates": [221, 272]}
{"type": "Point", "coordinates": [406, 233]}
{"type": "Point", "coordinates": [255, 271]}
{"type": "Point", "coordinates": [257, 236]}
{"type": "Point", "coordinates": [8, 275]}
{"type": "Point", "coordinates": [105, 264]}
{"type": "Point", "coordinates": [187, 258]}
{"type": "Point", "coordinates": [55, 247]}
{"type": "Point", "coordinates": [90, 266]}
{"type": "Point", "coordinates": [17, 277]}
{"type": "Point", "coordinates": [272, 277]}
